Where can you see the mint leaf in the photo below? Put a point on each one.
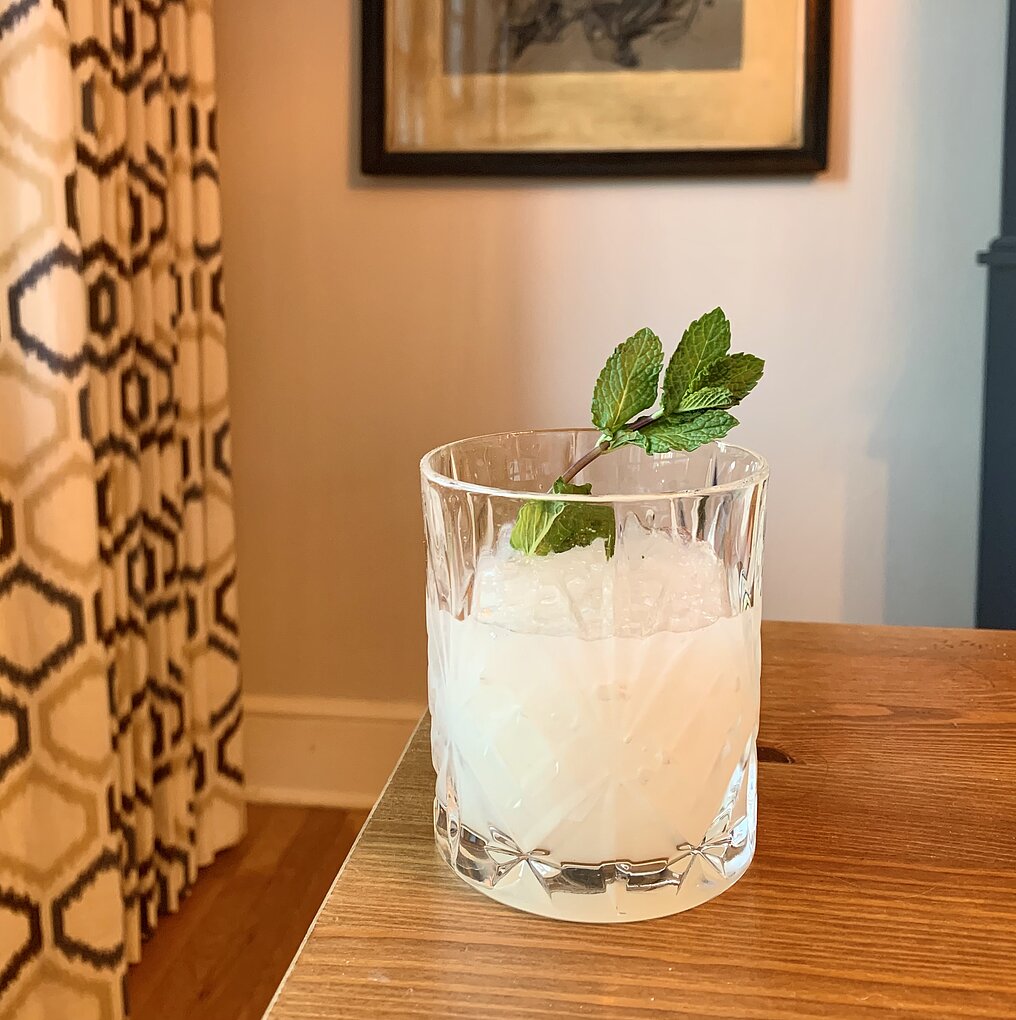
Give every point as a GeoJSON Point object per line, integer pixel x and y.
{"type": "Point", "coordinates": [533, 524]}
{"type": "Point", "coordinates": [629, 381]}
{"type": "Point", "coordinates": [739, 373]}
{"type": "Point", "coordinates": [625, 437]}
{"type": "Point", "coordinates": [572, 490]}
{"type": "Point", "coordinates": [704, 342]}
{"type": "Point", "coordinates": [685, 432]}
{"type": "Point", "coordinates": [581, 524]}
{"type": "Point", "coordinates": [551, 525]}
{"type": "Point", "coordinates": [629, 437]}
{"type": "Point", "coordinates": [707, 397]}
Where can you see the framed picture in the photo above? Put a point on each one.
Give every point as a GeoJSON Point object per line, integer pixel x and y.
{"type": "Point", "coordinates": [595, 87]}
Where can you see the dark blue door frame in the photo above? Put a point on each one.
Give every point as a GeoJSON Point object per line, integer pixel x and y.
{"type": "Point", "coordinates": [996, 580]}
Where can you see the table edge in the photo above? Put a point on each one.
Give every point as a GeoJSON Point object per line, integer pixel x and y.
{"type": "Point", "coordinates": [338, 875]}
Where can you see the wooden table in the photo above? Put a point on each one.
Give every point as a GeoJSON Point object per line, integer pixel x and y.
{"type": "Point", "coordinates": [884, 882]}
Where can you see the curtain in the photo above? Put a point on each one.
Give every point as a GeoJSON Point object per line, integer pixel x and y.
{"type": "Point", "coordinates": [120, 752]}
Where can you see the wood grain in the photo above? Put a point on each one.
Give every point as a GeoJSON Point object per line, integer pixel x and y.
{"type": "Point", "coordinates": [226, 950]}
{"type": "Point", "coordinates": [884, 883]}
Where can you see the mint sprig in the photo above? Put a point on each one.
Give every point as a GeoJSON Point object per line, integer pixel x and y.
{"type": "Point", "coordinates": [701, 383]}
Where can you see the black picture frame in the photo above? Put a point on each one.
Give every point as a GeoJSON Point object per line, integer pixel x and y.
{"type": "Point", "coordinates": [810, 158]}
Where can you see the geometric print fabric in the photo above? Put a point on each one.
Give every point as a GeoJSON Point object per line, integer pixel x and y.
{"type": "Point", "coordinates": [120, 743]}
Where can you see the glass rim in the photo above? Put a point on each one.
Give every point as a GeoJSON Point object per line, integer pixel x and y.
{"type": "Point", "coordinates": [428, 472]}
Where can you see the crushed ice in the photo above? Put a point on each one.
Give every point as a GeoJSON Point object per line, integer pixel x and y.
{"type": "Point", "coordinates": [653, 582]}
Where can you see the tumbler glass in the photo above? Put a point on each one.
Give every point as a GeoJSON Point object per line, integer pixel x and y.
{"type": "Point", "coordinates": [594, 710]}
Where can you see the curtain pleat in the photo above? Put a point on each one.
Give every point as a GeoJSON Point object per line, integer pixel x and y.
{"type": "Point", "coordinates": [120, 714]}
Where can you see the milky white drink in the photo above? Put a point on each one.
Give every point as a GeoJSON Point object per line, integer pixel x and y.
{"type": "Point", "coordinates": [594, 728]}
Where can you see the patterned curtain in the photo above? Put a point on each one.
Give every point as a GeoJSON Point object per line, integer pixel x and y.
{"type": "Point", "coordinates": [120, 763]}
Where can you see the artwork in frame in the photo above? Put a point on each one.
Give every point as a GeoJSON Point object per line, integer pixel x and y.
{"type": "Point", "coordinates": [595, 87]}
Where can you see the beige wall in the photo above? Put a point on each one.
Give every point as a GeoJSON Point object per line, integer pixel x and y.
{"type": "Point", "coordinates": [369, 321]}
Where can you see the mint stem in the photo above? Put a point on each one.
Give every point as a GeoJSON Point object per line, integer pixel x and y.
{"type": "Point", "coordinates": [583, 462]}
{"type": "Point", "coordinates": [602, 447]}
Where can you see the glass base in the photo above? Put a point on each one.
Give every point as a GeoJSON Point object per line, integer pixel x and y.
{"type": "Point", "coordinates": [604, 893]}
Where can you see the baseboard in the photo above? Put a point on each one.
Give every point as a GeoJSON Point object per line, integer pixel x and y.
{"type": "Point", "coordinates": [330, 752]}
